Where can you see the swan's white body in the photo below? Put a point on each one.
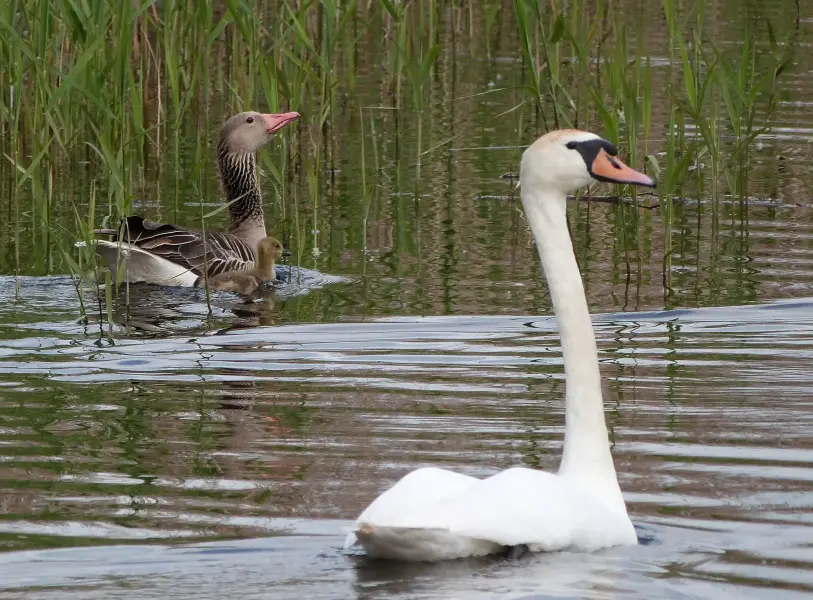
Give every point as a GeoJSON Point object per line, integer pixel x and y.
{"type": "Point", "coordinates": [433, 514]}
{"type": "Point", "coordinates": [139, 265]}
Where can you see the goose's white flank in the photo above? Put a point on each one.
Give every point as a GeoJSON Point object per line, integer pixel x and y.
{"type": "Point", "coordinates": [433, 514]}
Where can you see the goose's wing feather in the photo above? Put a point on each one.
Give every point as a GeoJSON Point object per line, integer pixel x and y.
{"type": "Point", "coordinates": [189, 248]}
{"type": "Point", "coordinates": [516, 506]}
{"type": "Point", "coordinates": [222, 253]}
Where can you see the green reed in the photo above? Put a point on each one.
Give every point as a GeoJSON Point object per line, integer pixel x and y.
{"type": "Point", "coordinates": [117, 89]}
{"type": "Point", "coordinates": [491, 12]}
{"type": "Point", "coordinates": [528, 22]}
{"type": "Point", "coordinates": [580, 67]}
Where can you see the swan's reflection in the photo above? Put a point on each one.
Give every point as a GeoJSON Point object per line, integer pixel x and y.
{"type": "Point", "coordinates": [533, 576]}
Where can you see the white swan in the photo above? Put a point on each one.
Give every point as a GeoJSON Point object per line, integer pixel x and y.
{"type": "Point", "coordinates": [433, 514]}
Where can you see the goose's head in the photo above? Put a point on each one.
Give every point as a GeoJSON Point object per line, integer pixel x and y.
{"type": "Point", "coordinates": [568, 159]}
{"type": "Point", "coordinates": [250, 131]}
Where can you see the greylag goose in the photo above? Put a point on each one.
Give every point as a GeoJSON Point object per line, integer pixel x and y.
{"type": "Point", "coordinates": [269, 250]}
{"type": "Point", "coordinates": [172, 255]}
{"type": "Point", "coordinates": [435, 514]}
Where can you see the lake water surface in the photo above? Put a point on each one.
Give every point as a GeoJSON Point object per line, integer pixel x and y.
{"type": "Point", "coordinates": [256, 447]}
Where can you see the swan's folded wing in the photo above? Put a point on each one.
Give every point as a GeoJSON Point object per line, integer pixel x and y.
{"type": "Point", "coordinates": [525, 506]}
{"type": "Point", "coordinates": [413, 495]}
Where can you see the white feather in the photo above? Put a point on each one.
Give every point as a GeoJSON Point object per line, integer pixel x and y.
{"type": "Point", "coordinates": [140, 265]}
{"type": "Point", "coordinates": [434, 514]}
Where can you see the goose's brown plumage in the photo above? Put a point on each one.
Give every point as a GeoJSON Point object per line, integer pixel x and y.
{"type": "Point", "coordinates": [246, 282]}
{"type": "Point", "coordinates": [192, 252]}
{"type": "Point", "coordinates": [190, 248]}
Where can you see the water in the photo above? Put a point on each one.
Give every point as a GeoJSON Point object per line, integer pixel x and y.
{"type": "Point", "coordinates": [242, 455]}
{"type": "Point", "coordinates": [166, 452]}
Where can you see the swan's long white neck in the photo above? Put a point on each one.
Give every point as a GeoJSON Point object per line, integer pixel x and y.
{"type": "Point", "coordinates": [587, 450]}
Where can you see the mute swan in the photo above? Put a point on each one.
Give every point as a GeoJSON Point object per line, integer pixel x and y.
{"type": "Point", "coordinates": [433, 514]}
{"type": "Point", "coordinates": [269, 250]}
{"type": "Point", "coordinates": [172, 255]}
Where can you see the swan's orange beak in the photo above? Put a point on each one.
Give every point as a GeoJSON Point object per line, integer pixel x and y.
{"type": "Point", "coordinates": [274, 123]}
{"type": "Point", "coordinates": [610, 168]}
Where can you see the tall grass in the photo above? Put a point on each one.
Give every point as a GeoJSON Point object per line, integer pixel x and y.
{"type": "Point", "coordinates": [582, 67]}
{"type": "Point", "coordinates": [106, 96]}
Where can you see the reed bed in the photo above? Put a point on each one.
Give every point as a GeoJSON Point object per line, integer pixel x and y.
{"type": "Point", "coordinates": [108, 108]}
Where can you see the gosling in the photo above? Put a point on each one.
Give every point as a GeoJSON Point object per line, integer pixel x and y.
{"type": "Point", "coordinates": [269, 250]}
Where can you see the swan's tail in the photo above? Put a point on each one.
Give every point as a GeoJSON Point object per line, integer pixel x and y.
{"type": "Point", "coordinates": [350, 541]}
{"type": "Point", "coordinates": [417, 544]}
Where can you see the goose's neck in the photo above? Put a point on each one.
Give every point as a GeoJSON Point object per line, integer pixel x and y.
{"type": "Point", "coordinates": [239, 174]}
{"type": "Point", "coordinates": [587, 449]}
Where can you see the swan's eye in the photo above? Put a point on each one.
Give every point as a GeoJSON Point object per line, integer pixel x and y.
{"type": "Point", "coordinates": [249, 119]}
{"type": "Point", "coordinates": [571, 145]}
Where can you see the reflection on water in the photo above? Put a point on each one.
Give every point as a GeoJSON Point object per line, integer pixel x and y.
{"type": "Point", "coordinates": [259, 445]}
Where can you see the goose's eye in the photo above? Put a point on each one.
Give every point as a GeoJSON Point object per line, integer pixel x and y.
{"type": "Point", "coordinates": [249, 119]}
{"type": "Point", "coordinates": [571, 145]}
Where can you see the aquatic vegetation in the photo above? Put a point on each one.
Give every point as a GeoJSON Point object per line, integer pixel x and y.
{"type": "Point", "coordinates": [581, 66]}
{"type": "Point", "coordinates": [108, 109]}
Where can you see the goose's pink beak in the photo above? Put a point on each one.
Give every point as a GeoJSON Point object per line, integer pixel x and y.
{"type": "Point", "coordinates": [274, 123]}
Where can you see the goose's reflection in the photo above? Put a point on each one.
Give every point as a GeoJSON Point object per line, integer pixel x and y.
{"type": "Point", "coordinates": [263, 310]}
{"type": "Point", "coordinates": [153, 309]}
{"type": "Point", "coordinates": [148, 309]}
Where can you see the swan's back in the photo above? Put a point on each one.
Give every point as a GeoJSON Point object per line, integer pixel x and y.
{"type": "Point", "coordinates": [542, 510]}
